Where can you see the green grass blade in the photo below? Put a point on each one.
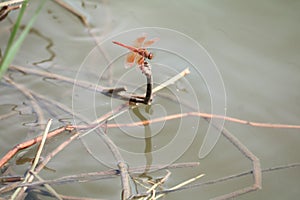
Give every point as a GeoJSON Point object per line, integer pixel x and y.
{"type": "Point", "coordinates": [16, 26]}
{"type": "Point", "coordinates": [12, 50]}
{"type": "Point", "coordinates": [12, 36]}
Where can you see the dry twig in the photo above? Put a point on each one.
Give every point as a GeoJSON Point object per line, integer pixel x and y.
{"type": "Point", "coordinates": [91, 176]}
{"type": "Point", "coordinates": [75, 12]}
{"type": "Point", "coordinates": [205, 116]}
{"type": "Point", "coordinates": [29, 177]}
{"type": "Point", "coordinates": [27, 144]}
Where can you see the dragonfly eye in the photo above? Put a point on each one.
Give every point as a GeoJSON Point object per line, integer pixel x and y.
{"type": "Point", "coordinates": [150, 56]}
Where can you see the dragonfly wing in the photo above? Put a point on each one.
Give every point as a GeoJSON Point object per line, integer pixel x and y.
{"type": "Point", "coordinates": [150, 42]}
{"type": "Point", "coordinates": [130, 59]}
{"type": "Point", "coordinates": [139, 41]}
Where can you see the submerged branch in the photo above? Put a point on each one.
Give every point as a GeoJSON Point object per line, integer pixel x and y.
{"type": "Point", "coordinates": [36, 107]}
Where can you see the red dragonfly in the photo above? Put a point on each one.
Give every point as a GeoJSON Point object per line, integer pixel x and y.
{"type": "Point", "coordinates": [138, 52]}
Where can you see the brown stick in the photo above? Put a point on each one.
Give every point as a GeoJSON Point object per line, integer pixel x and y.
{"type": "Point", "coordinates": [248, 154]}
{"type": "Point", "coordinates": [122, 165]}
{"type": "Point", "coordinates": [45, 161]}
{"type": "Point", "coordinates": [56, 151]}
{"type": "Point", "coordinates": [93, 176]}
{"type": "Point", "coordinates": [111, 92]}
{"type": "Point", "coordinates": [27, 144]}
{"type": "Point", "coordinates": [223, 179]}
{"type": "Point", "coordinates": [206, 116]}
{"type": "Point", "coordinates": [257, 173]}
{"type": "Point", "coordinates": [19, 192]}
{"type": "Point", "coordinates": [82, 84]}
{"type": "Point", "coordinates": [73, 11]}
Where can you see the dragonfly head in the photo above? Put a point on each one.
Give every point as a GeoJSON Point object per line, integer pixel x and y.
{"type": "Point", "coordinates": [150, 56]}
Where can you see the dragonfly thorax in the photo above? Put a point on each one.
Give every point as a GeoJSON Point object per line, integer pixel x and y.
{"type": "Point", "coordinates": [144, 53]}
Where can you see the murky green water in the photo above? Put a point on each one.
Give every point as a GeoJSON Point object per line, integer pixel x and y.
{"type": "Point", "coordinates": [255, 46]}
